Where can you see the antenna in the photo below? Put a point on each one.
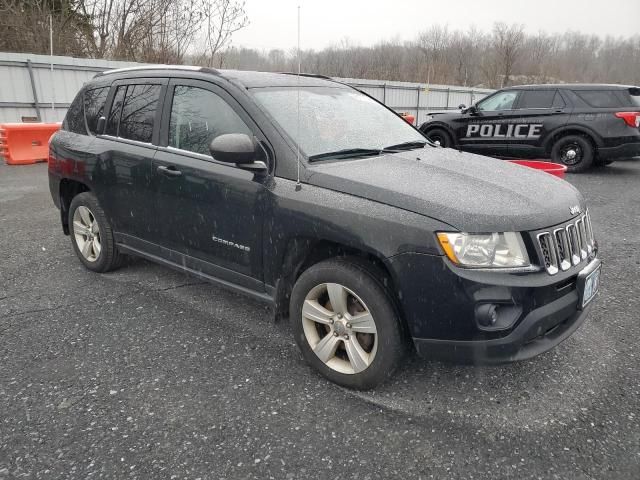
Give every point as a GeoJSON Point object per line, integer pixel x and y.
{"type": "Point", "coordinates": [298, 184]}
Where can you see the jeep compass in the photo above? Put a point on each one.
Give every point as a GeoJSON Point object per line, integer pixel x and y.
{"type": "Point", "coordinates": [313, 197]}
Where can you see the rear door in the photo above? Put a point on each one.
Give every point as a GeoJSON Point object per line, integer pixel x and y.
{"type": "Point", "coordinates": [211, 211]}
{"type": "Point", "coordinates": [538, 112]}
{"type": "Point", "coordinates": [126, 150]}
{"type": "Point", "coordinates": [487, 130]}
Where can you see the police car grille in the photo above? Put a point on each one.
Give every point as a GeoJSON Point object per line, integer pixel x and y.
{"type": "Point", "coordinates": [567, 245]}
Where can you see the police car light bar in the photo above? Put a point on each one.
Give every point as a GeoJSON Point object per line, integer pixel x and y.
{"type": "Point", "coordinates": [631, 118]}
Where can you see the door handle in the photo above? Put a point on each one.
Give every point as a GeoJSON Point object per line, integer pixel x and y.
{"type": "Point", "coordinates": [169, 171]}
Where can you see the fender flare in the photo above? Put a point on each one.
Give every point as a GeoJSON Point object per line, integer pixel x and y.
{"type": "Point", "coordinates": [426, 126]}
{"type": "Point", "coordinates": [548, 143]}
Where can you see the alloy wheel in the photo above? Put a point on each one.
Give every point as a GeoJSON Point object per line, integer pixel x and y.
{"type": "Point", "coordinates": [571, 154]}
{"type": "Point", "coordinates": [87, 233]}
{"type": "Point", "coordinates": [339, 328]}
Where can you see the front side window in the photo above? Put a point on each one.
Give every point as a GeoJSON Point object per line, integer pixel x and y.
{"type": "Point", "coordinates": [94, 106]}
{"type": "Point", "coordinates": [198, 116]}
{"type": "Point", "coordinates": [334, 119]}
{"type": "Point", "coordinates": [499, 101]}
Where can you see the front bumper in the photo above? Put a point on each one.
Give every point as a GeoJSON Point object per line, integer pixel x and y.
{"type": "Point", "coordinates": [540, 331]}
{"type": "Point", "coordinates": [441, 310]}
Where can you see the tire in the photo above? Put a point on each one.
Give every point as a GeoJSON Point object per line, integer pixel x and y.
{"type": "Point", "coordinates": [363, 342]}
{"type": "Point", "coordinates": [91, 235]}
{"type": "Point", "coordinates": [577, 145]}
{"type": "Point", "coordinates": [440, 135]}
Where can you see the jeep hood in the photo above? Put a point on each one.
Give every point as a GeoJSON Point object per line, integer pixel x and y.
{"type": "Point", "coordinates": [470, 192]}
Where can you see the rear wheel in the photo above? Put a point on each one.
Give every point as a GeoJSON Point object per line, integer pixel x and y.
{"type": "Point", "coordinates": [573, 151]}
{"type": "Point", "coordinates": [345, 324]}
{"type": "Point", "coordinates": [440, 137]}
{"type": "Point", "coordinates": [91, 234]}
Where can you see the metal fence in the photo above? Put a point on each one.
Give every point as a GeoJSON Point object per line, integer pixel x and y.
{"type": "Point", "coordinates": [418, 99]}
{"type": "Point", "coordinates": [41, 88]}
{"type": "Point", "coordinates": [31, 90]}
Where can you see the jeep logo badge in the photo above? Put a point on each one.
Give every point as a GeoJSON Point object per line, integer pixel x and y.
{"type": "Point", "coordinates": [574, 209]}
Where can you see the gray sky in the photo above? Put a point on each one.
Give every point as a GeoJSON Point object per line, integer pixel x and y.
{"type": "Point", "coordinates": [362, 22]}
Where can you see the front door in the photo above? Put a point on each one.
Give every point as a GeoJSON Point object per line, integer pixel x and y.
{"type": "Point", "coordinates": [488, 128]}
{"type": "Point", "coordinates": [212, 212]}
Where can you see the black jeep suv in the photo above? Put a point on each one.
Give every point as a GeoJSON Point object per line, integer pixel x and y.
{"type": "Point", "coordinates": [576, 125]}
{"type": "Point", "coordinates": [367, 236]}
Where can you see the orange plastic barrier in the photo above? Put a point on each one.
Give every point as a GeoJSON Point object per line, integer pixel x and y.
{"type": "Point", "coordinates": [408, 117]}
{"type": "Point", "coordinates": [26, 143]}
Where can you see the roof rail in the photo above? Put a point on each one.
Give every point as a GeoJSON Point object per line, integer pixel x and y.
{"type": "Point", "coordinates": [311, 75]}
{"type": "Point", "coordinates": [159, 67]}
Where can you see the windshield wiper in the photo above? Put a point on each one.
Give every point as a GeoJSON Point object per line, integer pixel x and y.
{"type": "Point", "coordinates": [405, 146]}
{"type": "Point", "coordinates": [345, 153]}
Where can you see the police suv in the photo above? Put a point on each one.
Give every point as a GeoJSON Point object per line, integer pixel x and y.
{"type": "Point", "coordinates": [576, 125]}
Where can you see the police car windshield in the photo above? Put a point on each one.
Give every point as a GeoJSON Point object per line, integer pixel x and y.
{"type": "Point", "coordinates": [335, 120]}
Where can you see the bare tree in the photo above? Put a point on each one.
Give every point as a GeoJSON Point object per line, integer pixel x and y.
{"type": "Point", "coordinates": [507, 42]}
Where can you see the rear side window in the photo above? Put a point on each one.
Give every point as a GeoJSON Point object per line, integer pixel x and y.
{"type": "Point", "coordinates": [634, 93]}
{"type": "Point", "coordinates": [74, 119]}
{"type": "Point", "coordinates": [541, 99]}
{"type": "Point", "coordinates": [94, 106]}
{"type": "Point", "coordinates": [138, 112]}
{"type": "Point", "coordinates": [599, 98]}
{"type": "Point", "coordinates": [198, 116]}
{"type": "Point", "coordinates": [116, 110]}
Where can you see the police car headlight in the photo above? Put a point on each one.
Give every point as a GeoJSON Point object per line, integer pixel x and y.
{"type": "Point", "coordinates": [487, 250]}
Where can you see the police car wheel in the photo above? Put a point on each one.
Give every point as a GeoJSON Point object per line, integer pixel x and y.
{"type": "Point", "coordinates": [440, 137]}
{"type": "Point", "coordinates": [573, 151]}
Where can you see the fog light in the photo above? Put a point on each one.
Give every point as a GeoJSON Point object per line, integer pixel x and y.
{"type": "Point", "coordinates": [487, 314]}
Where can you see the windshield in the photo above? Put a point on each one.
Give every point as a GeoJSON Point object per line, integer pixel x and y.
{"type": "Point", "coordinates": [335, 119]}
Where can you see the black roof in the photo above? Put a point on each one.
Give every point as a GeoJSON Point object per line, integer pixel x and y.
{"type": "Point", "coordinates": [571, 86]}
{"type": "Point", "coordinates": [243, 78]}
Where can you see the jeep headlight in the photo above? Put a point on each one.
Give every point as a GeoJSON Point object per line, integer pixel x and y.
{"type": "Point", "coordinates": [488, 250]}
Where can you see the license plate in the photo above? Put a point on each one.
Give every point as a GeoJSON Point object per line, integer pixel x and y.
{"type": "Point", "coordinates": [591, 286]}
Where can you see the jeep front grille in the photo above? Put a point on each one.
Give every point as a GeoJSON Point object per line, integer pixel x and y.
{"type": "Point", "coordinates": [566, 246]}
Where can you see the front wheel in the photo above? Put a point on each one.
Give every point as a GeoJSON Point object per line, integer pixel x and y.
{"type": "Point", "coordinates": [440, 137]}
{"type": "Point", "coordinates": [573, 151]}
{"type": "Point", "coordinates": [345, 324]}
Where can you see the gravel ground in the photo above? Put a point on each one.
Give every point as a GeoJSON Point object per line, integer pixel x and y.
{"type": "Point", "coordinates": [147, 373]}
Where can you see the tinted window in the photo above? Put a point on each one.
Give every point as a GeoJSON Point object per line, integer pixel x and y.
{"type": "Point", "coordinates": [74, 119]}
{"type": "Point", "coordinates": [499, 101]}
{"type": "Point", "coordinates": [198, 116]}
{"type": "Point", "coordinates": [138, 112]}
{"type": "Point", "coordinates": [599, 98]}
{"type": "Point", "coordinates": [116, 109]}
{"type": "Point", "coordinates": [537, 99]}
{"type": "Point", "coordinates": [94, 106]}
{"type": "Point", "coordinates": [634, 93]}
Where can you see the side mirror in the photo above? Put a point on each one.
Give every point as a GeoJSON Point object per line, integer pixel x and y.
{"type": "Point", "coordinates": [238, 148]}
{"type": "Point", "coordinates": [100, 126]}
{"type": "Point", "coordinates": [471, 109]}
{"type": "Point", "coordinates": [462, 106]}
